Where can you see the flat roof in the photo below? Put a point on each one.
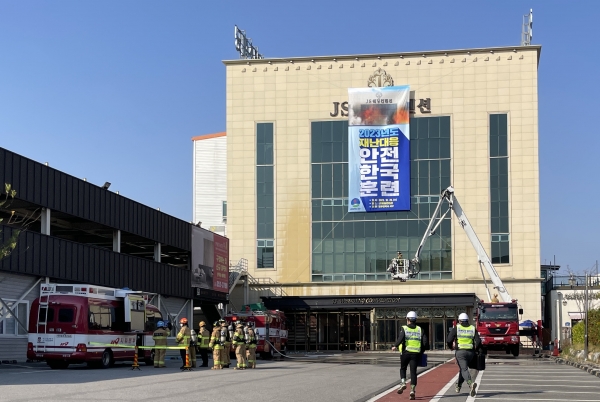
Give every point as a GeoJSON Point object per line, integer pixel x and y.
{"type": "Point", "coordinates": [481, 50]}
{"type": "Point", "coordinates": [208, 136]}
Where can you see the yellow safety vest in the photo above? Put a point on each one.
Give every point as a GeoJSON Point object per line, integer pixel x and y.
{"type": "Point", "coordinates": [412, 339]}
{"type": "Point", "coordinates": [465, 336]}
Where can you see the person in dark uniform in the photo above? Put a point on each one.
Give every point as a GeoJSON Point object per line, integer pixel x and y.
{"type": "Point", "coordinates": [465, 340]}
{"type": "Point", "coordinates": [414, 342]}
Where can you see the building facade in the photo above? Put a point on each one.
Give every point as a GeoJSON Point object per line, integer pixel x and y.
{"type": "Point", "coordinates": [210, 187]}
{"type": "Point", "coordinates": [473, 125]}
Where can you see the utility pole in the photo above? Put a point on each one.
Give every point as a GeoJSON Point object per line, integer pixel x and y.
{"type": "Point", "coordinates": [585, 336]}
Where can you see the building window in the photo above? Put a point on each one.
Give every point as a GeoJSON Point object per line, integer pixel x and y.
{"type": "Point", "coordinates": [8, 323]}
{"type": "Point", "coordinates": [499, 189]}
{"type": "Point", "coordinates": [224, 211]}
{"type": "Point", "coordinates": [359, 246]}
{"type": "Point", "coordinates": [265, 251]}
{"type": "Point", "coordinates": [265, 196]}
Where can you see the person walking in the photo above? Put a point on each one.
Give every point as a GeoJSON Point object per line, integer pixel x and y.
{"type": "Point", "coordinates": [184, 338]}
{"type": "Point", "coordinates": [160, 344]}
{"type": "Point", "coordinates": [203, 340]}
{"type": "Point", "coordinates": [251, 346]}
{"type": "Point", "coordinates": [216, 345]}
{"type": "Point", "coordinates": [413, 342]}
{"type": "Point", "coordinates": [465, 340]}
{"type": "Point", "coordinates": [239, 341]}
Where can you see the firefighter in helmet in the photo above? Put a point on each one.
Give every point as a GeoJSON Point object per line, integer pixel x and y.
{"type": "Point", "coordinates": [160, 343]}
{"type": "Point", "coordinates": [251, 346]}
{"type": "Point", "coordinates": [184, 338]}
{"type": "Point", "coordinates": [203, 340]}
{"type": "Point", "coordinates": [239, 341]}
{"type": "Point", "coordinates": [216, 345]}
{"type": "Point", "coordinates": [226, 358]}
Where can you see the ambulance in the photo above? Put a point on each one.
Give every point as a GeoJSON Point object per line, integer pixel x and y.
{"type": "Point", "coordinates": [90, 324]}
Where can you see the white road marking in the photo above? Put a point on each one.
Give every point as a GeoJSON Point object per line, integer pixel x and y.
{"type": "Point", "coordinates": [478, 381]}
{"type": "Point", "coordinates": [29, 372]}
{"type": "Point", "coordinates": [384, 393]}
{"type": "Point", "coordinates": [442, 392]}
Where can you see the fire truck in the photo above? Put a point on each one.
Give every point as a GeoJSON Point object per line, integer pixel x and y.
{"type": "Point", "coordinates": [80, 323]}
{"type": "Point", "coordinates": [496, 322]}
{"type": "Point", "coordinates": [269, 325]}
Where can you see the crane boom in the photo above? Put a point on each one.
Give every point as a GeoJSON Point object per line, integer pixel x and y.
{"type": "Point", "coordinates": [453, 204]}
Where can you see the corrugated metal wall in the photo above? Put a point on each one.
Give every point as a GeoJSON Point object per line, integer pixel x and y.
{"type": "Point", "coordinates": [210, 182]}
{"type": "Point", "coordinates": [51, 188]}
{"type": "Point", "coordinates": [13, 287]}
{"type": "Point", "coordinates": [59, 259]}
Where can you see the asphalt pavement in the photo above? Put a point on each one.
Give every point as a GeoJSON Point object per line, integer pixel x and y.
{"type": "Point", "coordinates": [311, 378]}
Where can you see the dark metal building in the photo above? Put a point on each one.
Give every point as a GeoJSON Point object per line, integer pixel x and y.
{"type": "Point", "coordinates": [76, 231]}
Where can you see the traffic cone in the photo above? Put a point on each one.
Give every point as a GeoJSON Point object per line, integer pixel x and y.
{"type": "Point", "coordinates": [135, 365]}
{"type": "Point", "coordinates": [187, 366]}
{"type": "Point", "coordinates": [555, 351]}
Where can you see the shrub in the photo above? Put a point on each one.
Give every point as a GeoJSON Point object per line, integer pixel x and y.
{"type": "Point", "coordinates": [578, 330]}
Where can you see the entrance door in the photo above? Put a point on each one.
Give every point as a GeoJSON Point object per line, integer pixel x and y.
{"type": "Point", "coordinates": [356, 330]}
{"type": "Point", "coordinates": [438, 340]}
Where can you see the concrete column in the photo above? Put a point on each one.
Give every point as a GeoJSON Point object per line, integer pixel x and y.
{"type": "Point", "coordinates": [117, 241]}
{"type": "Point", "coordinates": [157, 252]}
{"type": "Point", "coordinates": [45, 221]}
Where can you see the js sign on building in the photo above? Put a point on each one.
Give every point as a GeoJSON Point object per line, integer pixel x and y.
{"type": "Point", "coordinates": [379, 149]}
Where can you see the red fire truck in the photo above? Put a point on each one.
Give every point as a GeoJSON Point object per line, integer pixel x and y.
{"type": "Point", "coordinates": [268, 325]}
{"type": "Point", "coordinates": [74, 323]}
{"type": "Point", "coordinates": [497, 322]}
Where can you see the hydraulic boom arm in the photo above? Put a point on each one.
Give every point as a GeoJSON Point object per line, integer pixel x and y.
{"type": "Point", "coordinates": [448, 196]}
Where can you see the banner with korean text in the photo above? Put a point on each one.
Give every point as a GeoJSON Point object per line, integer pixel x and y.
{"type": "Point", "coordinates": [379, 149]}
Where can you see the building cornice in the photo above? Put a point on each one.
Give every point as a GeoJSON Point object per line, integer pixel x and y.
{"type": "Point", "coordinates": [382, 56]}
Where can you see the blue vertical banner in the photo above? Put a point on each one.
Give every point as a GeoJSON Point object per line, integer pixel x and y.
{"type": "Point", "coordinates": [379, 149]}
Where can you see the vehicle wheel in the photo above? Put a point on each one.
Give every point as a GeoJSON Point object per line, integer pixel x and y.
{"type": "Point", "coordinates": [515, 351]}
{"type": "Point", "coordinates": [107, 359]}
{"type": "Point", "coordinates": [149, 361]}
{"type": "Point", "coordinates": [57, 364]}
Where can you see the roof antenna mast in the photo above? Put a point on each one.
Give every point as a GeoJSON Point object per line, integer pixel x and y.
{"type": "Point", "coordinates": [527, 29]}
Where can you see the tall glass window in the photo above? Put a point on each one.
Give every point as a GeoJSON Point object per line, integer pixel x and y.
{"type": "Point", "coordinates": [359, 246]}
{"type": "Point", "coordinates": [499, 188]}
{"type": "Point", "coordinates": [265, 197]}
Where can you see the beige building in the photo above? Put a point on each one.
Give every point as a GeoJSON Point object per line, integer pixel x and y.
{"type": "Point", "coordinates": [474, 125]}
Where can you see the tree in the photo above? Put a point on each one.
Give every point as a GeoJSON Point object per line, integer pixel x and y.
{"type": "Point", "coordinates": [11, 243]}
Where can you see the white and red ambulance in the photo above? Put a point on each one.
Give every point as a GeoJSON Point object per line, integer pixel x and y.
{"type": "Point", "coordinates": [81, 323]}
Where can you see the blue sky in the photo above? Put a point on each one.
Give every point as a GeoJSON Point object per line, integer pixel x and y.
{"type": "Point", "coordinates": [114, 90]}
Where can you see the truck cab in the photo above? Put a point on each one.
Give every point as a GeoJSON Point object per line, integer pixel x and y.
{"type": "Point", "coordinates": [498, 326]}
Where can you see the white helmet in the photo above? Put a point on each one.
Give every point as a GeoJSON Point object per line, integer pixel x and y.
{"type": "Point", "coordinates": [412, 316]}
{"type": "Point", "coordinates": [463, 317]}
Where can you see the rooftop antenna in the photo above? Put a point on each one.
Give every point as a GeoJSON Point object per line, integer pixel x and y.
{"type": "Point", "coordinates": [527, 30]}
{"type": "Point", "coordinates": [244, 45]}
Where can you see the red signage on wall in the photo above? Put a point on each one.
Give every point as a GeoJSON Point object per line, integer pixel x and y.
{"type": "Point", "coordinates": [221, 264]}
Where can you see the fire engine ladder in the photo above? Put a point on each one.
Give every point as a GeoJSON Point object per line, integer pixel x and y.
{"type": "Point", "coordinates": [45, 291]}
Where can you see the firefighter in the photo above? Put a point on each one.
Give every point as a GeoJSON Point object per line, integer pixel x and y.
{"type": "Point", "coordinates": [414, 343]}
{"type": "Point", "coordinates": [467, 340]}
{"type": "Point", "coordinates": [251, 345]}
{"type": "Point", "coordinates": [226, 358]}
{"type": "Point", "coordinates": [216, 345]}
{"type": "Point", "coordinates": [203, 340]}
{"type": "Point", "coordinates": [239, 341]}
{"type": "Point", "coordinates": [160, 344]}
{"type": "Point", "coordinates": [184, 338]}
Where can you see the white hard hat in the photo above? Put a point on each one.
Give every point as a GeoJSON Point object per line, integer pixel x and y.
{"type": "Point", "coordinates": [411, 315]}
{"type": "Point", "coordinates": [463, 317]}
